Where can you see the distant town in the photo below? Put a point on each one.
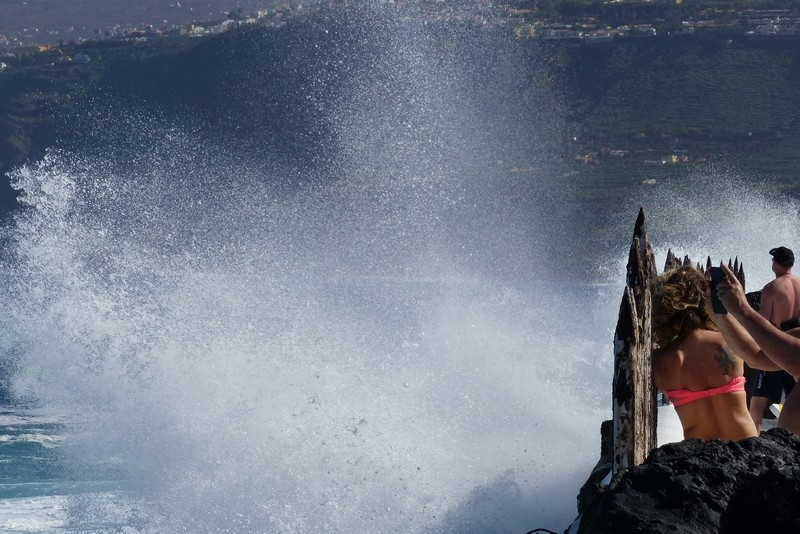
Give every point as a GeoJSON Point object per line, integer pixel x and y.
{"type": "Point", "coordinates": [524, 22]}
{"type": "Point", "coordinates": [33, 40]}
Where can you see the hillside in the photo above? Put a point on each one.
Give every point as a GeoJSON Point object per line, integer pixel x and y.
{"type": "Point", "coordinates": [714, 96]}
{"type": "Point", "coordinates": [51, 21]}
{"type": "Point", "coordinates": [626, 105]}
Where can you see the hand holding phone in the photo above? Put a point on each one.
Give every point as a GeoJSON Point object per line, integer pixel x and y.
{"type": "Point", "coordinates": [717, 276]}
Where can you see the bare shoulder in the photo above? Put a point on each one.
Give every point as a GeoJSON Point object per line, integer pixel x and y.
{"type": "Point", "coordinates": [709, 337]}
{"type": "Point", "coordinates": [666, 357]}
{"type": "Point", "coordinates": [661, 352]}
{"type": "Point", "coordinates": [782, 284]}
{"type": "Point", "coordinates": [667, 364]}
{"type": "Point", "coordinates": [771, 287]}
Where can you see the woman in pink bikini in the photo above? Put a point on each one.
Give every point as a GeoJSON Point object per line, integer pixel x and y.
{"type": "Point", "coordinates": [693, 365]}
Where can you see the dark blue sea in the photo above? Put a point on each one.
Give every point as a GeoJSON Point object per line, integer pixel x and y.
{"type": "Point", "coordinates": [391, 312]}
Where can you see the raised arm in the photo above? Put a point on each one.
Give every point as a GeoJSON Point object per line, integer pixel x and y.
{"type": "Point", "coordinates": [755, 336]}
{"type": "Point", "coordinates": [742, 343]}
{"type": "Point", "coordinates": [738, 340]}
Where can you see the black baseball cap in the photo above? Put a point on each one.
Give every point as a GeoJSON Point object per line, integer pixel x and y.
{"type": "Point", "coordinates": [782, 256]}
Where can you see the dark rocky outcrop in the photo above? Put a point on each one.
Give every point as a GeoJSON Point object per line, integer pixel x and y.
{"type": "Point", "coordinates": [705, 486]}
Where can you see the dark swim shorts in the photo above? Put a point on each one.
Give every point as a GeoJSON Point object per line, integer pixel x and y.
{"type": "Point", "coordinates": [773, 385]}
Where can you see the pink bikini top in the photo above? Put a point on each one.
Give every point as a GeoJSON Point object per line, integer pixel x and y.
{"type": "Point", "coordinates": [679, 397]}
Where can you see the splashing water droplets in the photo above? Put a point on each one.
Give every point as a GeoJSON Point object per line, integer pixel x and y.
{"type": "Point", "coordinates": [386, 345]}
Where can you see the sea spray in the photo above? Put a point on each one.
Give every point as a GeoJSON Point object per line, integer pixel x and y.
{"type": "Point", "coordinates": [259, 383]}
{"type": "Point", "coordinates": [248, 349]}
{"type": "Point", "coordinates": [413, 334]}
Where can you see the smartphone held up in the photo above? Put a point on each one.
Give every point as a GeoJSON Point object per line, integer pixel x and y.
{"type": "Point", "coordinates": [717, 276]}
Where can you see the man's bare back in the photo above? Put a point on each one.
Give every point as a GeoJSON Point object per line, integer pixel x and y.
{"type": "Point", "coordinates": [780, 299]}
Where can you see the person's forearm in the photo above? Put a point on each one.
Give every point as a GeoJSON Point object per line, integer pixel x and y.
{"type": "Point", "coordinates": [743, 344]}
{"type": "Point", "coordinates": [779, 347]}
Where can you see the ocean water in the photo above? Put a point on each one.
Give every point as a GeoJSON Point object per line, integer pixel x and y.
{"type": "Point", "coordinates": [409, 340]}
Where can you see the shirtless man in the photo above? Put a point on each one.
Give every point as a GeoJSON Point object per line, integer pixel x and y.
{"type": "Point", "coordinates": [759, 342]}
{"type": "Point", "coordinates": [780, 305]}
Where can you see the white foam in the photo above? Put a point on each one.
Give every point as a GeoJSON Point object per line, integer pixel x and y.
{"type": "Point", "coordinates": [33, 514]}
{"type": "Point", "coordinates": [47, 440]}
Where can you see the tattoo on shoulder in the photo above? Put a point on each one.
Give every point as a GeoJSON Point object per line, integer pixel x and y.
{"type": "Point", "coordinates": [726, 359]}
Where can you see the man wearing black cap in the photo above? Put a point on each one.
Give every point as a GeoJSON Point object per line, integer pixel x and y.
{"type": "Point", "coordinates": [780, 305]}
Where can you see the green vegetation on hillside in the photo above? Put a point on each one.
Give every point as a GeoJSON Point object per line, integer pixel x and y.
{"type": "Point", "coordinates": [38, 92]}
{"type": "Point", "coordinates": [703, 97]}
{"type": "Point", "coordinates": [712, 97]}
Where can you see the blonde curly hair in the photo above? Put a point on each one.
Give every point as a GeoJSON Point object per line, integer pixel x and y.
{"type": "Point", "coordinates": [679, 305]}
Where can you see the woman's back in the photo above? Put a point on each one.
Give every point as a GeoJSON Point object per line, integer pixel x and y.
{"type": "Point", "coordinates": [703, 379]}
